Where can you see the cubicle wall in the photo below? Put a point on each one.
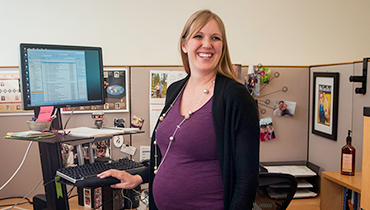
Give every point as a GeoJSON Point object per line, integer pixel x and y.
{"type": "Point", "coordinates": [291, 132]}
{"type": "Point", "coordinates": [324, 152]}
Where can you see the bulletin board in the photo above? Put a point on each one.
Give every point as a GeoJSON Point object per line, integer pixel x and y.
{"type": "Point", "coordinates": [115, 91]}
{"type": "Point", "coordinates": [10, 92]}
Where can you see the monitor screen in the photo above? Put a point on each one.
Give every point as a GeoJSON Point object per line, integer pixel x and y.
{"type": "Point", "coordinates": [60, 76]}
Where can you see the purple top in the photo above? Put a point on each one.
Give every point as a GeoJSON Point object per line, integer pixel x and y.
{"type": "Point", "coordinates": [190, 176]}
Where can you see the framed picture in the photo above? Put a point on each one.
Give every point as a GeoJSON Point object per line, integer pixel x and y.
{"type": "Point", "coordinates": [325, 104]}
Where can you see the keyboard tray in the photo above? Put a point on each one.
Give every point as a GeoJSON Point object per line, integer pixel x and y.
{"type": "Point", "coordinates": [85, 175]}
{"type": "Point", "coordinates": [94, 182]}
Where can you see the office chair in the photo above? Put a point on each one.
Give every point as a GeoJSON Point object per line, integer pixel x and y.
{"type": "Point", "coordinates": [275, 191]}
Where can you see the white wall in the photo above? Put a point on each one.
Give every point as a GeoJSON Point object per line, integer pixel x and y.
{"type": "Point", "coordinates": [285, 32]}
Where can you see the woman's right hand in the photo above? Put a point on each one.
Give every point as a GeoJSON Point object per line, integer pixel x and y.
{"type": "Point", "coordinates": [128, 181]}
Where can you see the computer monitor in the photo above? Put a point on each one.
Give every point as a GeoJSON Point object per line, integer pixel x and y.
{"type": "Point", "coordinates": [60, 76]}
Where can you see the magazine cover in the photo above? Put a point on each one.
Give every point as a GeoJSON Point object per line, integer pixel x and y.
{"type": "Point", "coordinates": [324, 105]}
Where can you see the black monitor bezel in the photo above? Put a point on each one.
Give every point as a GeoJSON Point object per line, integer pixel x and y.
{"type": "Point", "coordinates": [22, 73]}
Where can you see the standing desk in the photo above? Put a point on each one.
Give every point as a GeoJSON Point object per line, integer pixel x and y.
{"type": "Point", "coordinates": [332, 188]}
{"type": "Point", "coordinates": [51, 161]}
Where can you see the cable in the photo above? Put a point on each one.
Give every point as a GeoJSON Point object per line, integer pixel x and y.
{"type": "Point", "coordinates": [24, 158]}
{"type": "Point", "coordinates": [70, 192]}
{"type": "Point", "coordinates": [5, 205]}
{"type": "Point", "coordinates": [1, 199]}
{"type": "Point", "coordinates": [72, 196]}
{"type": "Point", "coordinates": [123, 195]}
{"type": "Point", "coordinates": [65, 125]}
{"type": "Point", "coordinates": [27, 194]}
{"type": "Point", "coordinates": [51, 181]}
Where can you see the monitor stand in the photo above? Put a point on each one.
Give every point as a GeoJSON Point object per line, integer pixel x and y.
{"type": "Point", "coordinates": [55, 192]}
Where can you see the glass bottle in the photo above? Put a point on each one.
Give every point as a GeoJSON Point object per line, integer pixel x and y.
{"type": "Point", "coordinates": [348, 157]}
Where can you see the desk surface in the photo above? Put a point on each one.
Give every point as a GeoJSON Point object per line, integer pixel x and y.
{"type": "Point", "coordinates": [72, 139]}
{"type": "Point", "coordinates": [351, 182]}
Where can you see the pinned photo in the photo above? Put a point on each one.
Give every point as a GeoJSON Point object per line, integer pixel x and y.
{"type": "Point", "coordinates": [267, 131]}
{"type": "Point", "coordinates": [252, 84]}
{"type": "Point", "coordinates": [284, 108]}
{"type": "Point", "coordinates": [116, 74]}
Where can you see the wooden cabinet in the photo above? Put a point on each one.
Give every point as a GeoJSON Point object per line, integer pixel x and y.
{"type": "Point", "coordinates": [332, 188]}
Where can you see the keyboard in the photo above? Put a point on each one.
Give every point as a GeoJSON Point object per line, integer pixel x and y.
{"type": "Point", "coordinates": [85, 175]}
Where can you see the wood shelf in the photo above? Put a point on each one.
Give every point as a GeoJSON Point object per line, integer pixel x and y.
{"type": "Point", "coordinates": [332, 188]}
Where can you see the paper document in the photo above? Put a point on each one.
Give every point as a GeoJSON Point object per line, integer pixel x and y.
{"type": "Point", "coordinates": [94, 132]}
{"type": "Point", "coordinates": [128, 149]}
{"type": "Point", "coordinates": [297, 171]}
{"type": "Point", "coordinates": [301, 183]}
{"type": "Point", "coordinates": [144, 153]}
{"type": "Point", "coordinates": [29, 134]}
{"type": "Point", "coordinates": [304, 193]}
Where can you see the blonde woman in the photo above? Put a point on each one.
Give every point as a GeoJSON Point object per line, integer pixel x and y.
{"type": "Point", "coordinates": [205, 147]}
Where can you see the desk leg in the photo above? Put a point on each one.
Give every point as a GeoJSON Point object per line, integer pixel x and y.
{"type": "Point", "coordinates": [331, 195]}
{"type": "Point", "coordinates": [345, 191]}
{"type": "Point", "coordinates": [51, 160]}
{"type": "Point", "coordinates": [80, 155]}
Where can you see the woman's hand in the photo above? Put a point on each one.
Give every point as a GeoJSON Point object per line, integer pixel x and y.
{"type": "Point", "coordinates": [128, 181]}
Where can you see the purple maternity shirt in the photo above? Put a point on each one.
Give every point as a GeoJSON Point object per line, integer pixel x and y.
{"type": "Point", "coordinates": [190, 176]}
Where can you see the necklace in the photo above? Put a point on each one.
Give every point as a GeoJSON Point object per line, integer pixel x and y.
{"type": "Point", "coordinates": [172, 137]}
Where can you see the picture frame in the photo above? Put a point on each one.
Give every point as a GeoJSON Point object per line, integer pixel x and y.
{"type": "Point", "coordinates": [325, 104]}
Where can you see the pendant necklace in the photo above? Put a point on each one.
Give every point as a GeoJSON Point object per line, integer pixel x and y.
{"type": "Point", "coordinates": [172, 137]}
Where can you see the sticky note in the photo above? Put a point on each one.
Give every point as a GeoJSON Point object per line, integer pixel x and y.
{"type": "Point", "coordinates": [45, 113]}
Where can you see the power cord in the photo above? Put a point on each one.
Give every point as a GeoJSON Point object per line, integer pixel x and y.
{"type": "Point", "coordinates": [27, 194]}
{"type": "Point", "coordinates": [70, 192]}
{"type": "Point", "coordinates": [19, 167]}
{"type": "Point", "coordinates": [65, 125]}
{"type": "Point", "coordinates": [123, 196]}
{"type": "Point", "coordinates": [5, 205]}
{"type": "Point", "coordinates": [51, 181]}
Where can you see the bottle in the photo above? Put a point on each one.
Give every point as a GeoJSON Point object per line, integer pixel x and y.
{"type": "Point", "coordinates": [348, 157]}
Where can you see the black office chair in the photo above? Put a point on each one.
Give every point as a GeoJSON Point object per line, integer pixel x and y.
{"type": "Point", "coordinates": [275, 191]}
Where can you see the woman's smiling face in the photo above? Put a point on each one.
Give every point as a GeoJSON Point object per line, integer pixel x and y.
{"type": "Point", "coordinates": [204, 49]}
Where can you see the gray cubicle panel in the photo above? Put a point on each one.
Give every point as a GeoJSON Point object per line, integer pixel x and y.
{"type": "Point", "coordinates": [291, 139]}
{"type": "Point", "coordinates": [326, 152]}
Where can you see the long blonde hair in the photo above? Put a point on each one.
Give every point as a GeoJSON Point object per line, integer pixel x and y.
{"type": "Point", "coordinates": [194, 24]}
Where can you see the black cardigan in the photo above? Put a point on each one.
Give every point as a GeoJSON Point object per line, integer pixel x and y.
{"type": "Point", "coordinates": [236, 123]}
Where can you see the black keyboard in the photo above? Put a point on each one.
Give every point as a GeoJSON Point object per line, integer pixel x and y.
{"type": "Point", "coordinates": [85, 175]}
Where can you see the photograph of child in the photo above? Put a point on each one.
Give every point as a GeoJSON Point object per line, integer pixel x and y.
{"type": "Point", "coordinates": [267, 131]}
